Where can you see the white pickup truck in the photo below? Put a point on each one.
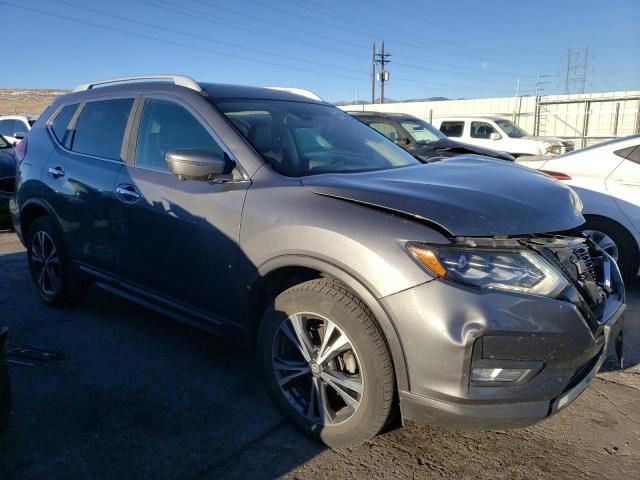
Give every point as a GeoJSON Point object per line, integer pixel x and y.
{"type": "Point", "coordinates": [498, 133]}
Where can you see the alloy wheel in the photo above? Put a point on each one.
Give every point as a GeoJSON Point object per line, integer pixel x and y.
{"type": "Point", "coordinates": [604, 241]}
{"type": "Point", "coordinates": [317, 369]}
{"type": "Point", "coordinates": [45, 263]}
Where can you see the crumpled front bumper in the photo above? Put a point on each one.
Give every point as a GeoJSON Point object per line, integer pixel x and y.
{"type": "Point", "coordinates": [442, 326]}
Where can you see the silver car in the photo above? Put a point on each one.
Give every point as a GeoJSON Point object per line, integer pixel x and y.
{"type": "Point", "coordinates": [458, 293]}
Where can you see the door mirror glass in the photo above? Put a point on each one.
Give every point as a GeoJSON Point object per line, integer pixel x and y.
{"type": "Point", "coordinates": [403, 141]}
{"type": "Point", "coordinates": [495, 136]}
{"type": "Point", "coordinates": [198, 164]}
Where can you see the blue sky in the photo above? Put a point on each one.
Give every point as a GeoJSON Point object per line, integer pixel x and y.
{"type": "Point", "coordinates": [454, 49]}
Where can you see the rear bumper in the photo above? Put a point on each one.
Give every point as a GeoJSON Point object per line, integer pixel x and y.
{"type": "Point", "coordinates": [497, 415]}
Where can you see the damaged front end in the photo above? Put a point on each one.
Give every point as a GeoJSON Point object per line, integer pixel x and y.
{"type": "Point", "coordinates": [512, 330]}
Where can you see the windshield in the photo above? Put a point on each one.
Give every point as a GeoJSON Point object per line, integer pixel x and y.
{"type": "Point", "coordinates": [511, 129]}
{"type": "Point", "coordinates": [421, 131]}
{"type": "Point", "coordinates": [300, 139]}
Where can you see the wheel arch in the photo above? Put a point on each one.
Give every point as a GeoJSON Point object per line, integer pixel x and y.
{"type": "Point", "coordinates": [32, 210]}
{"type": "Point", "coordinates": [280, 273]}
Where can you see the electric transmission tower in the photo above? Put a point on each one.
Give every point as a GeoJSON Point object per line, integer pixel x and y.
{"type": "Point", "coordinates": [575, 80]}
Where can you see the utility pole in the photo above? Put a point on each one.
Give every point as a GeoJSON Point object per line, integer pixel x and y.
{"type": "Point", "coordinates": [382, 59]}
{"type": "Point", "coordinates": [373, 75]}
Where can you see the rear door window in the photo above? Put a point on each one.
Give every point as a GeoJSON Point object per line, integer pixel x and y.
{"type": "Point", "coordinates": [452, 129]}
{"type": "Point", "coordinates": [60, 124]}
{"type": "Point", "coordinates": [164, 126]}
{"type": "Point", "coordinates": [481, 130]}
{"type": "Point", "coordinates": [100, 128]}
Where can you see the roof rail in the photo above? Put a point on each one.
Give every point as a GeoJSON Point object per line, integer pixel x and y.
{"type": "Point", "coordinates": [181, 80]}
{"type": "Point", "coordinates": [298, 91]}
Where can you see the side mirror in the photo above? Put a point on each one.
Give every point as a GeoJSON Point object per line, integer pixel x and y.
{"type": "Point", "coordinates": [495, 136]}
{"type": "Point", "coordinates": [198, 164]}
{"type": "Point", "coordinates": [403, 141]}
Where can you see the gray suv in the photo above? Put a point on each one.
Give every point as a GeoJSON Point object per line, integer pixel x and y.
{"type": "Point", "coordinates": [456, 293]}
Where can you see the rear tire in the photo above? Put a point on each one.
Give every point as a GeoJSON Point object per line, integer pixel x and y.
{"type": "Point", "coordinates": [625, 244]}
{"type": "Point", "coordinates": [58, 282]}
{"type": "Point", "coordinates": [320, 308]}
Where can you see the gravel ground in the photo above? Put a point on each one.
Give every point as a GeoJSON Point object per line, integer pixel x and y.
{"type": "Point", "coordinates": [140, 396]}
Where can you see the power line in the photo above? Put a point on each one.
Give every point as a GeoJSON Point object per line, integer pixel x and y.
{"type": "Point", "coordinates": [199, 14]}
{"type": "Point", "coordinates": [198, 37]}
{"type": "Point", "coordinates": [169, 42]}
{"type": "Point", "coordinates": [367, 33]}
{"type": "Point", "coordinates": [347, 17]}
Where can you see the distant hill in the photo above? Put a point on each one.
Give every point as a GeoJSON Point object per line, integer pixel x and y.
{"type": "Point", "coordinates": [390, 100]}
{"type": "Point", "coordinates": [26, 101]}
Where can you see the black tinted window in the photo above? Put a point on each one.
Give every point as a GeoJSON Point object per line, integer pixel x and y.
{"type": "Point", "coordinates": [452, 129]}
{"type": "Point", "coordinates": [164, 126]}
{"type": "Point", "coordinates": [634, 156]}
{"type": "Point", "coordinates": [61, 122]}
{"type": "Point", "coordinates": [629, 153]}
{"type": "Point", "coordinates": [299, 138]}
{"type": "Point", "coordinates": [6, 127]}
{"type": "Point", "coordinates": [100, 128]}
{"type": "Point", "coordinates": [481, 130]}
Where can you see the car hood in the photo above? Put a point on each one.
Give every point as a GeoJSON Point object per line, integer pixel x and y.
{"type": "Point", "coordinates": [551, 140]}
{"type": "Point", "coordinates": [452, 147]}
{"type": "Point", "coordinates": [467, 195]}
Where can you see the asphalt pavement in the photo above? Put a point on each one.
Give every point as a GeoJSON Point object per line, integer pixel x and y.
{"type": "Point", "coordinates": [134, 395]}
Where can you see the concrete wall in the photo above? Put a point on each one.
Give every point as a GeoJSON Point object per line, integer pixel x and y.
{"type": "Point", "coordinates": [561, 120]}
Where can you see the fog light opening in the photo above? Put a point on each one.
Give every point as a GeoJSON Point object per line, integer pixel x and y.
{"type": "Point", "coordinates": [502, 375]}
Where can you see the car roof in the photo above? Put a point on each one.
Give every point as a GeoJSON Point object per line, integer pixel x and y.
{"type": "Point", "coordinates": [471, 117]}
{"type": "Point", "coordinates": [396, 116]}
{"type": "Point", "coordinates": [18, 117]}
{"type": "Point", "coordinates": [215, 91]}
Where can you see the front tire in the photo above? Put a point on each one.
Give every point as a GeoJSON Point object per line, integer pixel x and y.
{"type": "Point", "coordinates": [617, 242]}
{"type": "Point", "coordinates": [326, 364]}
{"type": "Point", "coordinates": [52, 272]}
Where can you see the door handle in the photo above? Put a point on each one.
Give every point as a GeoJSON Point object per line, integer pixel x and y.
{"type": "Point", "coordinates": [56, 172]}
{"type": "Point", "coordinates": [127, 193]}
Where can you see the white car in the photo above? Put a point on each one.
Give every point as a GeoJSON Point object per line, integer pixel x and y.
{"type": "Point", "coordinates": [498, 133]}
{"type": "Point", "coordinates": [15, 127]}
{"type": "Point", "coordinates": [607, 179]}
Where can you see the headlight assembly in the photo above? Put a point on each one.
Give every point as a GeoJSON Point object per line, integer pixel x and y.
{"type": "Point", "coordinates": [516, 270]}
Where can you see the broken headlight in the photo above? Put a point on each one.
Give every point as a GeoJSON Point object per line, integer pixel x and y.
{"type": "Point", "coordinates": [516, 270]}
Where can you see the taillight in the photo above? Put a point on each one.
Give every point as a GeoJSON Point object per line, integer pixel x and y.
{"type": "Point", "coordinates": [557, 175]}
{"type": "Point", "coordinates": [21, 149]}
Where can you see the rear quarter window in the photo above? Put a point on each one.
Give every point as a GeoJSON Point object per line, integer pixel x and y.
{"type": "Point", "coordinates": [452, 129]}
{"type": "Point", "coordinates": [100, 128]}
{"type": "Point", "coordinates": [60, 123]}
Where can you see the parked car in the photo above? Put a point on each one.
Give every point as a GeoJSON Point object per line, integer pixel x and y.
{"type": "Point", "coordinates": [420, 138]}
{"type": "Point", "coordinates": [606, 176]}
{"type": "Point", "coordinates": [5, 384]}
{"type": "Point", "coordinates": [501, 134]}
{"type": "Point", "coordinates": [15, 127]}
{"type": "Point", "coordinates": [459, 288]}
{"type": "Point", "coordinates": [7, 176]}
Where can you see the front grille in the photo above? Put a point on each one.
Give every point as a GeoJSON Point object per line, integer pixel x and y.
{"type": "Point", "coordinates": [583, 266]}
